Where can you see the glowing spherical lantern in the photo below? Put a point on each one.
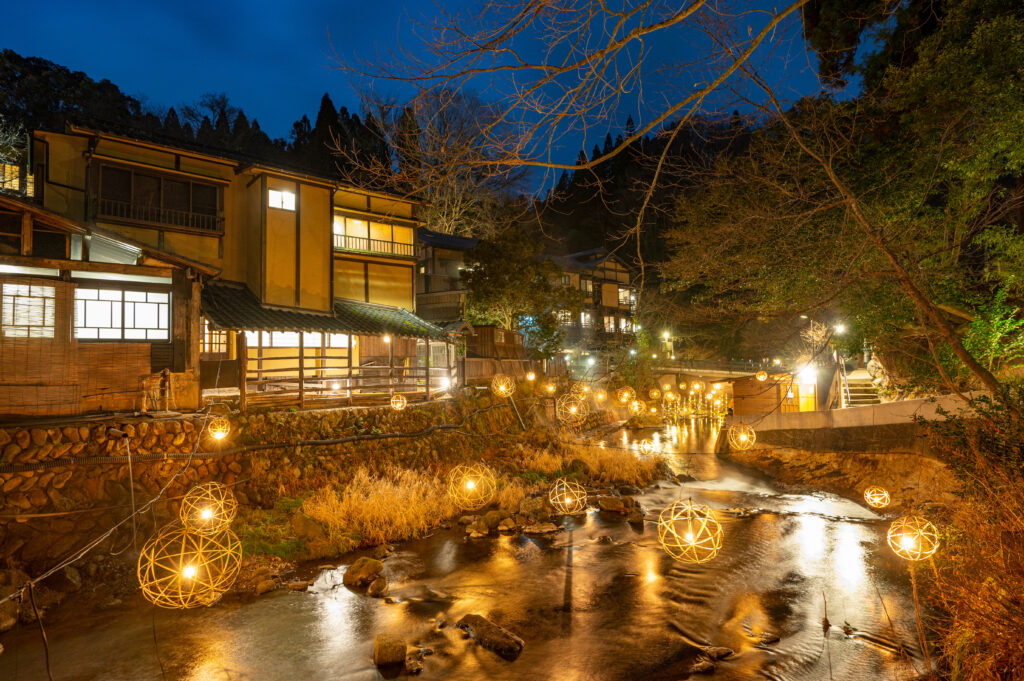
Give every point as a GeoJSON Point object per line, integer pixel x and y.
{"type": "Point", "coordinates": [682, 386]}
{"type": "Point", "coordinates": [913, 538]}
{"type": "Point", "coordinates": [761, 376]}
{"type": "Point", "coordinates": [568, 497]}
{"type": "Point", "coordinates": [579, 389]}
{"type": "Point", "coordinates": [876, 497]}
{"type": "Point", "coordinates": [696, 385]}
{"type": "Point", "coordinates": [208, 508]}
{"type": "Point", "coordinates": [600, 396]}
{"type": "Point", "coordinates": [637, 407]}
{"type": "Point", "coordinates": [653, 410]}
{"type": "Point", "coordinates": [219, 428]}
{"type": "Point", "coordinates": [183, 569]}
{"type": "Point", "coordinates": [689, 532]}
{"type": "Point", "coordinates": [571, 410]}
{"type": "Point", "coordinates": [503, 385]}
{"type": "Point", "coordinates": [471, 486]}
{"type": "Point", "coordinates": [654, 393]}
{"type": "Point", "coordinates": [646, 447]}
{"type": "Point", "coordinates": [550, 388]}
{"type": "Point", "coordinates": [741, 436]}
{"type": "Point", "coordinates": [398, 402]}
{"type": "Point", "coordinates": [625, 395]}
{"type": "Point", "coordinates": [531, 376]}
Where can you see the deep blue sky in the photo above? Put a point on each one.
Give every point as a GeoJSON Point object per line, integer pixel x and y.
{"type": "Point", "coordinates": [274, 58]}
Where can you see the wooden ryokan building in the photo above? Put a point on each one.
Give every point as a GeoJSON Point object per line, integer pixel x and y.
{"type": "Point", "coordinates": [141, 275]}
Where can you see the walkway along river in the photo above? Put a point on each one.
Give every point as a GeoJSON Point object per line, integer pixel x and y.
{"type": "Point", "coordinates": [599, 601]}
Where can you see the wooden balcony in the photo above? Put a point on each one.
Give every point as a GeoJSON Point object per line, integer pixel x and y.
{"type": "Point", "coordinates": [155, 215]}
{"type": "Point", "coordinates": [343, 242]}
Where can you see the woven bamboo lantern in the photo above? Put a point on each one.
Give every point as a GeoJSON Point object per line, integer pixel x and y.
{"type": "Point", "coordinates": [471, 486]}
{"type": "Point", "coordinates": [696, 385]}
{"type": "Point", "coordinates": [637, 407]}
{"type": "Point", "coordinates": [876, 497]}
{"type": "Point", "coordinates": [571, 410]}
{"type": "Point", "coordinates": [568, 497]}
{"type": "Point", "coordinates": [531, 376]}
{"type": "Point", "coordinates": [646, 447]}
{"type": "Point", "coordinates": [689, 532]}
{"type": "Point", "coordinates": [503, 385]}
{"type": "Point", "coordinates": [579, 389]}
{"type": "Point", "coordinates": [654, 393]}
{"type": "Point", "coordinates": [653, 410]}
{"type": "Point", "coordinates": [913, 538]}
{"type": "Point", "coordinates": [180, 569]}
{"type": "Point", "coordinates": [670, 396]}
{"type": "Point", "coordinates": [398, 402]}
{"type": "Point", "coordinates": [741, 436]}
{"type": "Point", "coordinates": [550, 387]}
{"type": "Point", "coordinates": [219, 428]}
{"type": "Point", "coordinates": [600, 396]}
{"type": "Point", "coordinates": [625, 395]}
{"type": "Point", "coordinates": [682, 386]}
{"type": "Point", "coordinates": [761, 376]}
{"type": "Point", "coordinates": [208, 508]}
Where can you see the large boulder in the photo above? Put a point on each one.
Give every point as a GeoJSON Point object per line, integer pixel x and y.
{"type": "Point", "coordinates": [491, 636]}
{"type": "Point", "coordinates": [388, 651]}
{"type": "Point", "coordinates": [363, 572]}
{"type": "Point", "coordinates": [611, 504]}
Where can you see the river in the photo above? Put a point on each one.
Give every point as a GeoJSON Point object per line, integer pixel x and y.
{"type": "Point", "coordinates": [598, 602]}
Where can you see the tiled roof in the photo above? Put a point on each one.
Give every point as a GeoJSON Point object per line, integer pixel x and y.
{"type": "Point", "coordinates": [230, 305]}
{"type": "Point", "coordinates": [456, 243]}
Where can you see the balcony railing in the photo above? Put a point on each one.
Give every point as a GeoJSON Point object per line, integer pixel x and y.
{"type": "Point", "coordinates": [343, 242]}
{"type": "Point", "coordinates": [123, 210]}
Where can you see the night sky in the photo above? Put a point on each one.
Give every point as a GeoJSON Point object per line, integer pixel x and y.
{"type": "Point", "coordinates": [274, 59]}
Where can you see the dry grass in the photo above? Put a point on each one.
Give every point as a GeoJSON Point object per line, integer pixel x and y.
{"type": "Point", "coordinates": [543, 461]}
{"type": "Point", "coordinates": [620, 466]}
{"type": "Point", "coordinates": [400, 504]}
{"type": "Point", "coordinates": [510, 493]}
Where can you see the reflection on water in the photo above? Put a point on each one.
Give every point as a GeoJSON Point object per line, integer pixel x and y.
{"type": "Point", "coordinates": [598, 602]}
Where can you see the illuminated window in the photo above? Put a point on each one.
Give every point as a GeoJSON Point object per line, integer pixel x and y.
{"type": "Point", "coordinates": [625, 325]}
{"type": "Point", "coordinates": [28, 311]}
{"type": "Point", "coordinates": [112, 314]}
{"type": "Point", "coordinates": [624, 297]}
{"type": "Point", "coordinates": [281, 199]}
{"type": "Point", "coordinates": [214, 341]}
{"type": "Point", "coordinates": [587, 286]}
{"type": "Point", "coordinates": [564, 318]}
{"type": "Point", "coordinates": [609, 324]}
{"type": "Point", "coordinates": [586, 321]}
{"type": "Point", "coordinates": [566, 280]}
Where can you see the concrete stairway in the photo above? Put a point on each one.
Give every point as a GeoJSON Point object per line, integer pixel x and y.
{"type": "Point", "coordinates": [862, 391]}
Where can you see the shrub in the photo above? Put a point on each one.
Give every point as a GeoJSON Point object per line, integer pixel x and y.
{"type": "Point", "coordinates": [614, 465]}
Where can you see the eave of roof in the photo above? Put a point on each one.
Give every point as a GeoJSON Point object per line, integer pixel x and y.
{"type": "Point", "coordinates": [230, 305]}
{"type": "Point", "coordinates": [58, 221]}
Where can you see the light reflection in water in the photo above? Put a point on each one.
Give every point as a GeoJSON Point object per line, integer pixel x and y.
{"type": "Point", "coordinates": [848, 556]}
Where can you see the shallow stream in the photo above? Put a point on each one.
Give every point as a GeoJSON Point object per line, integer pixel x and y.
{"type": "Point", "coordinates": [598, 602]}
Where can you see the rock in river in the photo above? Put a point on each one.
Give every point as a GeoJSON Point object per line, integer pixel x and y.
{"type": "Point", "coordinates": [388, 651]}
{"type": "Point", "coordinates": [541, 528]}
{"type": "Point", "coordinates": [362, 572]}
{"type": "Point", "coordinates": [491, 636]}
{"type": "Point", "coordinates": [378, 587]}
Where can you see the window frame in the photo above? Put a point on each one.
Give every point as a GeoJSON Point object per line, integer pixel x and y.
{"type": "Point", "coordinates": [123, 288]}
{"type": "Point", "coordinates": [217, 217]}
{"type": "Point", "coordinates": [52, 326]}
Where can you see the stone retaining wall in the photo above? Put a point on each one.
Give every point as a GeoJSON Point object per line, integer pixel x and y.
{"type": "Point", "coordinates": [49, 511]}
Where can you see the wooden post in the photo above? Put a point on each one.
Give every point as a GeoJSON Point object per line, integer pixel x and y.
{"type": "Point", "coordinates": [428, 370]}
{"type": "Point", "coordinates": [302, 372]}
{"type": "Point", "coordinates": [243, 368]}
{"type": "Point", "coordinates": [350, 369]}
{"type": "Point", "coordinates": [391, 364]}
